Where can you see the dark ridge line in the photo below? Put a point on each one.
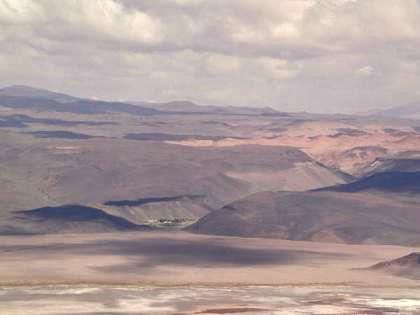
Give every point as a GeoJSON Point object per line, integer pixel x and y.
{"type": "Point", "coordinates": [78, 213]}
{"type": "Point", "coordinates": [143, 201]}
{"type": "Point", "coordinates": [171, 137]}
{"type": "Point", "coordinates": [394, 181]}
{"type": "Point", "coordinates": [79, 106]}
{"type": "Point", "coordinates": [23, 120]}
{"type": "Point", "coordinates": [59, 134]}
{"type": "Point", "coordinates": [85, 106]}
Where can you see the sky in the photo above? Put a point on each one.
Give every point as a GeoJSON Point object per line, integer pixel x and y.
{"type": "Point", "coordinates": [319, 56]}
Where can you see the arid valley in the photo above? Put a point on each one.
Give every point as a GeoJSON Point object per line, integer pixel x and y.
{"type": "Point", "coordinates": [209, 157]}
{"type": "Point", "coordinates": [117, 202]}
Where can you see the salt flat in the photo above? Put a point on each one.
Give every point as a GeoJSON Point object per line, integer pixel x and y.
{"type": "Point", "coordinates": [273, 300]}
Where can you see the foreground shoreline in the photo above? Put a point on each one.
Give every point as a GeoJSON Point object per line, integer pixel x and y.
{"type": "Point", "coordinates": [254, 300]}
{"type": "Point", "coordinates": [221, 285]}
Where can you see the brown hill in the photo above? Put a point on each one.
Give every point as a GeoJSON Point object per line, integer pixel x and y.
{"type": "Point", "coordinates": [407, 266]}
{"type": "Point", "coordinates": [318, 216]}
{"type": "Point", "coordinates": [174, 210]}
{"type": "Point", "coordinates": [41, 172]}
{"type": "Point", "coordinates": [396, 181]}
{"type": "Point", "coordinates": [67, 219]}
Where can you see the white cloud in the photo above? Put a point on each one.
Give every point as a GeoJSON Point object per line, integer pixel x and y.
{"type": "Point", "coordinates": [366, 71]}
{"type": "Point", "coordinates": [110, 18]}
{"type": "Point", "coordinates": [222, 64]}
{"type": "Point", "coordinates": [278, 69]}
{"type": "Point", "coordinates": [20, 12]}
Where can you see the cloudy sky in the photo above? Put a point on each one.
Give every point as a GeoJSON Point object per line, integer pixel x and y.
{"type": "Point", "coordinates": [325, 55]}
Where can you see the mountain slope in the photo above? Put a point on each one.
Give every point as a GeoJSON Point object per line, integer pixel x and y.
{"type": "Point", "coordinates": [410, 110]}
{"type": "Point", "coordinates": [82, 106]}
{"type": "Point", "coordinates": [25, 97]}
{"type": "Point", "coordinates": [381, 208]}
{"type": "Point", "coordinates": [145, 182]}
{"type": "Point", "coordinates": [180, 210]}
{"type": "Point", "coordinates": [31, 92]}
{"type": "Point", "coordinates": [68, 219]}
{"type": "Point", "coordinates": [406, 162]}
{"type": "Point", "coordinates": [97, 170]}
{"type": "Point", "coordinates": [396, 181]}
{"type": "Point", "coordinates": [189, 107]}
{"type": "Point", "coordinates": [318, 216]}
{"type": "Point", "coordinates": [407, 266]}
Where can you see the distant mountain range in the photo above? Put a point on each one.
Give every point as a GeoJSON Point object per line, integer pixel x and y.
{"type": "Point", "coordinates": [21, 96]}
{"type": "Point", "coordinates": [409, 110]}
{"type": "Point", "coordinates": [189, 107]}
{"type": "Point", "coordinates": [25, 97]}
{"type": "Point", "coordinates": [30, 92]}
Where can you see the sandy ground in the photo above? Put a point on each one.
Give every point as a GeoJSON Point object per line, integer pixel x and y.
{"type": "Point", "coordinates": [178, 258]}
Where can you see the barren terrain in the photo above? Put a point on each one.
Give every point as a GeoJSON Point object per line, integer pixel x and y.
{"type": "Point", "coordinates": [97, 197]}
{"type": "Point", "coordinates": [181, 273]}
{"type": "Point", "coordinates": [182, 258]}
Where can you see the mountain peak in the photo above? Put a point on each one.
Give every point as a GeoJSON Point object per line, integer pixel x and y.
{"type": "Point", "coordinates": [18, 89]}
{"type": "Point", "coordinates": [33, 92]}
{"type": "Point", "coordinates": [410, 260]}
